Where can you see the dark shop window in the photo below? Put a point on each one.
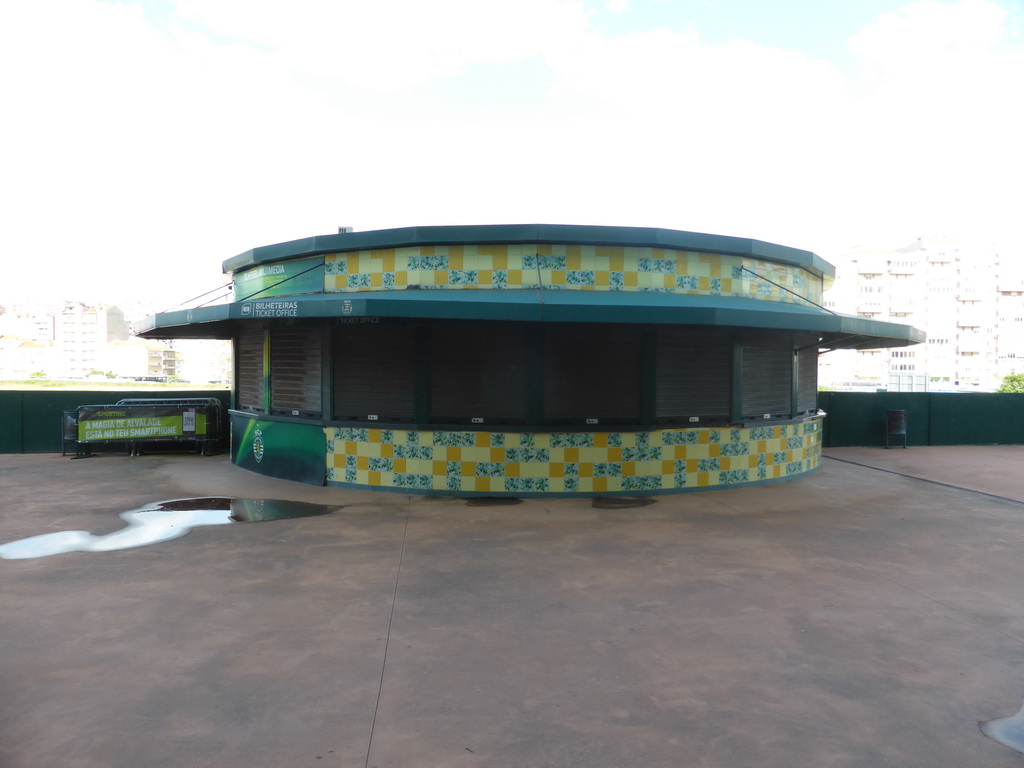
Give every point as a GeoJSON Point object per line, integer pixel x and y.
{"type": "Point", "coordinates": [693, 379]}
{"type": "Point", "coordinates": [807, 399]}
{"type": "Point", "coordinates": [295, 371]}
{"type": "Point", "coordinates": [478, 372]}
{"type": "Point", "coordinates": [592, 372]}
{"type": "Point", "coordinates": [767, 375]}
{"type": "Point", "coordinates": [249, 368]}
{"type": "Point", "coordinates": [374, 372]}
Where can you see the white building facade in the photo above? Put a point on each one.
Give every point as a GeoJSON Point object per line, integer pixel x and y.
{"type": "Point", "coordinates": [968, 299]}
{"type": "Point", "coordinates": [74, 340]}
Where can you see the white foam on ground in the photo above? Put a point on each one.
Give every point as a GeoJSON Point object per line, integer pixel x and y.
{"type": "Point", "coordinates": [145, 526]}
{"type": "Point", "coordinates": [1008, 731]}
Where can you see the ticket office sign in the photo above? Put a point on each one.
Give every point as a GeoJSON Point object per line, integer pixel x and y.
{"type": "Point", "coordinates": [140, 422]}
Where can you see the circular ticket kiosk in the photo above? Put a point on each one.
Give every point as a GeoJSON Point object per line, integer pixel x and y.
{"type": "Point", "coordinates": [528, 359]}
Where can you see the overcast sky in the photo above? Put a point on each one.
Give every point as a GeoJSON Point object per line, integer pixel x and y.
{"type": "Point", "coordinates": [145, 142]}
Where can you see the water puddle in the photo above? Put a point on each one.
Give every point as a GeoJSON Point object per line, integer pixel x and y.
{"type": "Point", "coordinates": [1008, 731]}
{"type": "Point", "coordinates": [162, 521]}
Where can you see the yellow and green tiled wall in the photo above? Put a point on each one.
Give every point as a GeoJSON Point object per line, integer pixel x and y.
{"type": "Point", "coordinates": [569, 267]}
{"type": "Point", "coordinates": [494, 463]}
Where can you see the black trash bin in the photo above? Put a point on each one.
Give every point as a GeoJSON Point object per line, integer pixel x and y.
{"type": "Point", "coordinates": [896, 426]}
{"type": "Point", "coordinates": [69, 436]}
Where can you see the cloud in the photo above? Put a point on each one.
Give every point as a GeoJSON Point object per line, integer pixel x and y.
{"type": "Point", "coordinates": [929, 41]}
{"type": "Point", "coordinates": [754, 140]}
{"type": "Point", "coordinates": [735, 138]}
{"type": "Point", "coordinates": [937, 126]}
{"type": "Point", "coordinates": [390, 44]}
{"type": "Point", "coordinates": [133, 152]}
{"type": "Point", "coordinates": [141, 145]}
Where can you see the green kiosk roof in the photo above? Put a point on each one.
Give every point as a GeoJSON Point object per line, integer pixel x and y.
{"type": "Point", "coordinates": [537, 305]}
{"type": "Point", "coordinates": [532, 305]}
{"type": "Point", "coordinates": [568, 234]}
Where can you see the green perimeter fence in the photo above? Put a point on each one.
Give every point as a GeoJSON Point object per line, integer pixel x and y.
{"type": "Point", "coordinates": [31, 420]}
{"type": "Point", "coordinates": [933, 418]}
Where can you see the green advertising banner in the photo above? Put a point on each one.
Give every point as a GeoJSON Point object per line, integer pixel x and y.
{"type": "Point", "coordinates": [139, 422]}
{"type": "Point", "coordinates": [287, 278]}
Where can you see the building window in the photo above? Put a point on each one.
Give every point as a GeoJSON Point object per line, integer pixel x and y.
{"type": "Point", "coordinates": [807, 370]}
{"type": "Point", "coordinates": [592, 372]}
{"type": "Point", "coordinates": [374, 372]}
{"type": "Point", "coordinates": [692, 364]}
{"type": "Point", "coordinates": [767, 375]}
{"type": "Point", "coordinates": [478, 371]}
{"type": "Point", "coordinates": [295, 370]}
{"type": "Point", "coordinates": [249, 367]}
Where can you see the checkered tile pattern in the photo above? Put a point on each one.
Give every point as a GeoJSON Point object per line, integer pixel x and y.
{"type": "Point", "coordinates": [497, 463]}
{"type": "Point", "coordinates": [569, 267]}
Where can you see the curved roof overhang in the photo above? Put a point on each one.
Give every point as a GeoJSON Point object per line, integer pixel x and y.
{"type": "Point", "coordinates": [511, 234]}
{"type": "Point", "coordinates": [538, 306]}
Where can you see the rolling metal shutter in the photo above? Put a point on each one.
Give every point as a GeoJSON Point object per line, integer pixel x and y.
{"type": "Point", "coordinates": [592, 372]}
{"type": "Point", "coordinates": [374, 372]}
{"type": "Point", "coordinates": [807, 399]}
{"type": "Point", "coordinates": [767, 375]}
{"type": "Point", "coordinates": [694, 371]}
{"type": "Point", "coordinates": [478, 372]}
{"type": "Point", "coordinates": [295, 370]}
{"type": "Point", "coordinates": [249, 367]}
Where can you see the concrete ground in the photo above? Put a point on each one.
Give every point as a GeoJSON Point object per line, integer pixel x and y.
{"type": "Point", "coordinates": [868, 615]}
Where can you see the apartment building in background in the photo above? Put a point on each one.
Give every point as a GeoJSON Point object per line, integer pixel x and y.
{"type": "Point", "coordinates": [141, 360]}
{"type": "Point", "coordinates": [76, 340]}
{"type": "Point", "coordinates": [81, 334]}
{"type": "Point", "coordinates": [968, 299]}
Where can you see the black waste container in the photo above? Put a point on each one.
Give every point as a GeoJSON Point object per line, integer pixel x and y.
{"type": "Point", "coordinates": [896, 426]}
{"type": "Point", "coordinates": [69, 436]}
